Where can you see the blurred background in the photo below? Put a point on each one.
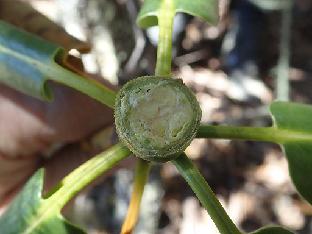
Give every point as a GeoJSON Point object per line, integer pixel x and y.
{"type": "Point", "coordinates": [236, 69]}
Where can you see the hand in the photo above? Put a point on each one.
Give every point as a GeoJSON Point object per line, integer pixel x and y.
{"type": "Point", "coordinates": [29, 127]}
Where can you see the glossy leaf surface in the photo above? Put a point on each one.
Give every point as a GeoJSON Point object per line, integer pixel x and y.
{"type": "Point", "coordinates": [22, 216]}
{"type": "Point", "coordinates": [296, 120]}
{"type": "Point", "coordinates": [27, 62]}
{"type": "Point", "coordinates": [272, 230]}
{"type": "Point", "coordinates": [205, 9]}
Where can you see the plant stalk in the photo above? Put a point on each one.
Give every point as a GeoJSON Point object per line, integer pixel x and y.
{"type": "Point", "coordinates": [205, 195]}
{"type": "Point", "coordinates": [92, 88]}
{"type": "Point", "coordinates": [86, 173]}
{"type": "Point", "coordinates": [282, 79]}
{"type": "Point", "coordinates": [164, 49]}
{"type": "Point", "coordinates": [140, 178]}
{"type": "Point", "coordinates": [267, 134]}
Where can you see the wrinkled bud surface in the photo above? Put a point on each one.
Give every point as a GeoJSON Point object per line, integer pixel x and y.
{"type": "Point", "coordinates": [156, 117]}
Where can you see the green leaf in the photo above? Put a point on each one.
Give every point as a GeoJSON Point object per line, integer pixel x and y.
{"type": "Point", "coordinates": [27, 62]}
{"type": "Point", "coordinates": [29, 213]}
{"type": "Point", "coordinates": [296, 120]}
{"type": "Point", "coordinates": [272, 230]}
{"type": "Point", "coordinates": [22, 215]}
{"type": "Point", "coordinates": [205, 9]}
{"type": "Point", "coordinates": [17, 51]}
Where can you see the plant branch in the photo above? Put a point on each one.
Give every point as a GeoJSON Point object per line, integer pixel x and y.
{"type": "Point", "coordinates": [268, 134]}
{"type": "Point", "coordinates": [164, 49]}
{"type": "Point", "coordinates": [141, 175]}
{"type": "Point", "coordinates": [86, 173]}
{"type": "Point", "coordinates": [282, 79]}
{"type": "Point", "coordinates": [205, 195]}
{"type": "Point", "coordinates": [90, 87]}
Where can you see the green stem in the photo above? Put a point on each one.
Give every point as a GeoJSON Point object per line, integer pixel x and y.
{"type": "Point", "coordinates": [85, 85]}
{"type": "Point", "coordinates": [205, 195]}
{"type": "Point", "coordinates": [268, 134]}
{"type": "Point", "coordinates": [140, 178]}
{"type": "Point", "coordinates": [87, 173]}
{"type": "Point", "coordinates": [282, 79]}
{"type": "Point", "coordinates": [164, 50]}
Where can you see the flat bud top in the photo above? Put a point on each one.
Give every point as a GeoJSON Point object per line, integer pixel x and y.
{"type": "Point", "coordinates": [156, 117]}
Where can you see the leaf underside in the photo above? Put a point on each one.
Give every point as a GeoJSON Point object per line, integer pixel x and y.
{"type": "Point", "coordinates": [295, 117]}
{"type": "Point", "coordinates": [204, 9]}
{"type": "Point", "coordinates": [23, 61]}
{"type": "Point", "coordinates": [22, 215]}
{"type": "Point", "coordinates": [27, 62]}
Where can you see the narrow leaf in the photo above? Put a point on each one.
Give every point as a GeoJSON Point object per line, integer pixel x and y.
{"type": "Point", "coordinates": [296, 120]}
{"type": "Point", "coordinates": [22, 216]}
{"type": "Point", "coordinates": [205, 9]}
{"type": "Point", "coordinates": [272, 230]}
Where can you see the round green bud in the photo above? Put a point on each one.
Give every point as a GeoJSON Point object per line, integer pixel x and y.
{"type": "Point", "coordinates": [156, 117]}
